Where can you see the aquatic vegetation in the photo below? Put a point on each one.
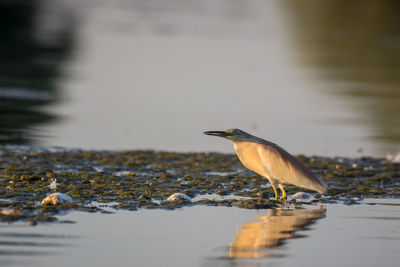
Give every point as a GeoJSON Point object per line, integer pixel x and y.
{"type": "Point", "coordinates": [145, 179]}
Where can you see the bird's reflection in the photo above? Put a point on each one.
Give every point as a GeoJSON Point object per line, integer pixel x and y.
{"type": "Point", "coordinates": [256, 239]}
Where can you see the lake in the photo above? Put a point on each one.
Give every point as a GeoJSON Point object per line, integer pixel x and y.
{"type": "Point", "coordinates": [318, 78]}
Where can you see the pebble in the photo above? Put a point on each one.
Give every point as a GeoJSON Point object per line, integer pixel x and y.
{"type": "Point", "coordinates": [10, 212]}
{"type": "Point", "coordinates": [302, 197]}
{"type": "Point", "coordinates": [56, 199]}
{"type": "Point", "coordinates": [31, 223]}
{"type": "Point", "coordinates": [178, 196]}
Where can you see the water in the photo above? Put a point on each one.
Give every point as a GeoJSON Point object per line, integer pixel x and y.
{"type": "Point", "coordinates": [317, 77]}
{"type": "Point", "coordinates": [360, 235]}
{"type": "Point", "coordinates": [155, 74]}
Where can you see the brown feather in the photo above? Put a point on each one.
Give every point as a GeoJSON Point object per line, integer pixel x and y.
{"type": "Point", "coordinates": [273, 162]}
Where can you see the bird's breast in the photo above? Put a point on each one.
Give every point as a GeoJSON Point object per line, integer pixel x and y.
{"type": "Point", "coordinates": [247, 153]}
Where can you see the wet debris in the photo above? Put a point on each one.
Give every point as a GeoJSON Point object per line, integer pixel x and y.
{"type": "Point", "coordinates": [145, 197]}
{"type": "Point", "coordinates": [10, 215]}
{"type": "Point", "coordinates": [256, 203]}
{"type": "Point", "coordinates": [57, 199]}
{"type": "Point", "coordinates": [134, 180]}
{"type": "Point", "coordinates": [350, 202]}
{"type": "Point", "coordinates": [53, 185]}
{"type": "Point", "coordinates": [13, 215]}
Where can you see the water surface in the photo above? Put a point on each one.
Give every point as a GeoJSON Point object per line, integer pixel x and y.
{"type": "Point", "coordinates": [155, 74]}
{"type": "Point", "coordinates": [359, 235]}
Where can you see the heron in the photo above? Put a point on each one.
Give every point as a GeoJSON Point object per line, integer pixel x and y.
{"type": "Point", "coordinates": [272, 162]}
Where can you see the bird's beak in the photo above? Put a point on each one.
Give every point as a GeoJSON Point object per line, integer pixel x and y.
{"type": "Point", "coordinates": [216, 133]}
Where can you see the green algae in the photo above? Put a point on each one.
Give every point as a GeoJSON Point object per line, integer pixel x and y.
{"type": "Point", "coordinates": [145, 179]}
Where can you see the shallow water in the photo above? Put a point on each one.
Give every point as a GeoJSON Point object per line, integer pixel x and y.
{"type": "Point", "coordinates": [359, 235]}
{"type": "Point", "coordinates": [156, 74]}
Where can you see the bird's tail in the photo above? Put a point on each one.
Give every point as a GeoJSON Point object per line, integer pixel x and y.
{"type": "Point", "coordinates": [322, 188]}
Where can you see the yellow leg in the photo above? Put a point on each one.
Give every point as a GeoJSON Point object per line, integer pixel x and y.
{"type": "Point", "coordinates": [284, 196]}
{"type": "Point", "coordinates": [276, 192]}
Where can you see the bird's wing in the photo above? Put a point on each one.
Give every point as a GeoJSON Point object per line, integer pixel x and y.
{"type": "Point", "coordinates": [286, 169]}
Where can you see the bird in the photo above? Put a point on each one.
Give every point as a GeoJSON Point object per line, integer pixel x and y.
{"type": "Point", "coordinates": [272, 162]}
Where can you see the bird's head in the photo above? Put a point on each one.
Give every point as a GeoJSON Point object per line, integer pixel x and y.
{"type": "Point", "coordinates": [231, 134]}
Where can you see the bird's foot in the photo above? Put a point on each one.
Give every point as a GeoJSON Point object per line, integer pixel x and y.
{"type": "Point", "coordinates": [284, 196]}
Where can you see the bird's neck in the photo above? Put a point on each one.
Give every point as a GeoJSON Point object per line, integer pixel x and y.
{"type": "Point", "coordinates": [239, 147]}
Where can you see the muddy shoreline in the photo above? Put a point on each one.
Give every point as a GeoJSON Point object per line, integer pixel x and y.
{"type": "Point", "coordinates": [145, 179]}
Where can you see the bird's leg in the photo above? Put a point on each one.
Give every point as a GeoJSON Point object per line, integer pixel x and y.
{"type": "Point", "coordinates": [284, 196]}
{"type": "Point", "coordinates": [276, 192]}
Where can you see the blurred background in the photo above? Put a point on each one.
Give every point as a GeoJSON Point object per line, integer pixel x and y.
{"type": "Point", "coordinates": [316, 77]}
